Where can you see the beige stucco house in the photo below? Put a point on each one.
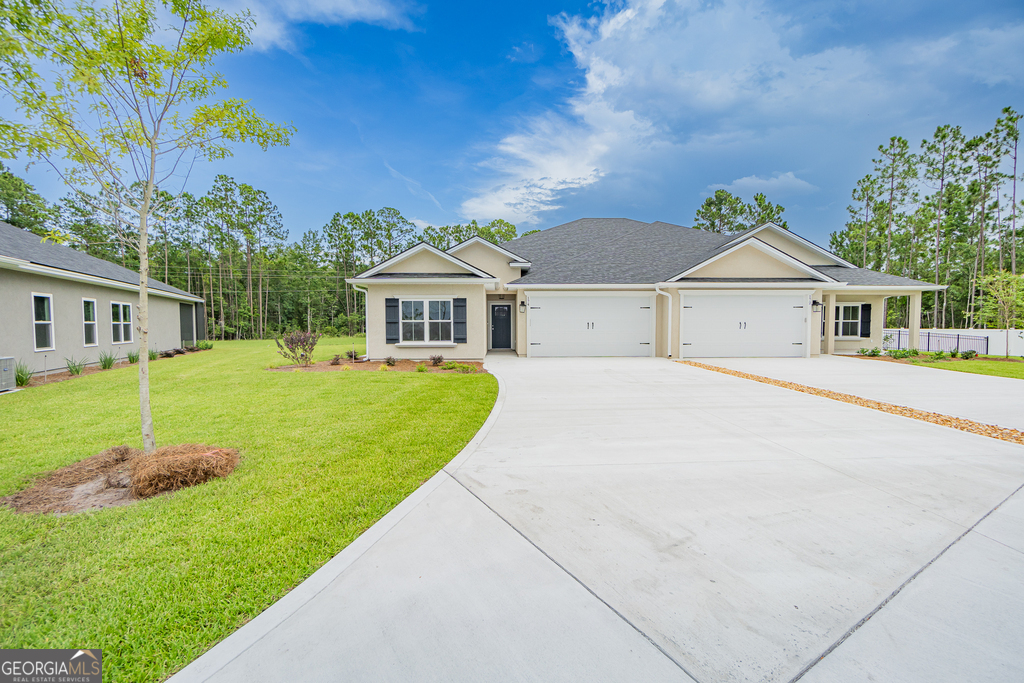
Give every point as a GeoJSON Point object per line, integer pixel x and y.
{"type": "Point", "coordinates": [618, 287]}
{"type": "Point", "coordinates": [58, 303]}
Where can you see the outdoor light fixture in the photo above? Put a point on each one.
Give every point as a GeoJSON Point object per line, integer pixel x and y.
{"type": "Point", "coordinates": [522, 307]}
{"type": "Point", "coordinates": [816, 306]}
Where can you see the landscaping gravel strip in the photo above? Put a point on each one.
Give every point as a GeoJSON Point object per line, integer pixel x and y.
{"type": "Point", "coordinates": [993, 431]}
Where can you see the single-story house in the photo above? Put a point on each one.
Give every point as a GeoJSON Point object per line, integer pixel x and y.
{"type": "Point", "coordinates": [58, 303]}
{"type": "Point", "coordinates": [619, 287]}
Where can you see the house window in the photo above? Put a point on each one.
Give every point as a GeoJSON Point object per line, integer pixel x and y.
{"type": "Point", "coordinates": [121, 323]}
{"type": "Point", "coordinates": [42, 317]}
{"type": "Point", "coordinates": [848, 320]}
{"type": "Point", "coordinates": [427, 320]}
{"type": "Point", "coordinates": [89, 321]}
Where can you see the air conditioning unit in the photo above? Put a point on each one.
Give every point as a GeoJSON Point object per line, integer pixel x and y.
{"type": "Point", "coordinates": [8, 382]}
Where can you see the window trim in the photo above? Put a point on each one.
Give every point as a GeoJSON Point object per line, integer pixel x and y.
{"type": "Point", "coordinates": [53, 333]}
{"type": "Point", "coordinates": [839, 320]}
{"type": "Point", "coordinates": [426, 321]}
{"type": "Point", "coordinates": [122, 323]}
{"type": "Point", "coordinates": [94, 322]}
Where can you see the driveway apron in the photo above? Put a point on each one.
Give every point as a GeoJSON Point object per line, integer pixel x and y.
{"type": "Point", "coordinates": [637, 519]}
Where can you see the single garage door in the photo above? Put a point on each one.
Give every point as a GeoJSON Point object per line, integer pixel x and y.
{"type": "Point", "coordinates": [733, 326]}
{"type": "Point", "coordinates": [591, 325]}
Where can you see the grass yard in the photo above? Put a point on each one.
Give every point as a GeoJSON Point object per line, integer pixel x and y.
{"type": "Point", "coordinates": [979, 366]}
{"type": "Point", "coordinates": [157, 583]}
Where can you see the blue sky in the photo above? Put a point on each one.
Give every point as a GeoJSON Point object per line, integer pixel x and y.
{"type": "Point", "coordinates": [543, 112]}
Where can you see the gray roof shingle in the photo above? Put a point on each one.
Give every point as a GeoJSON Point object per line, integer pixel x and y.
{"type": "Point", "coordinates": [599, 251]}
{"type": "Point", "coordinates": [24, 245]}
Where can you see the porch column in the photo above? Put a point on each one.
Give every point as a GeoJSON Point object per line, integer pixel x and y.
{"type": "Point", "coordinates": [830, 323]}
{"type": "Point", "coordinates": [915, 320]}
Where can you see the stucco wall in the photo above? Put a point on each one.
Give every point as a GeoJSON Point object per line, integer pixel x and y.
{"type": "Point", "coordinates": [748, 261]}
{"type": "Point", "coordinates": [852, 346]}
{"type": "Point", "coordinates": [425, 262]}
{"type": "Point", "coordinates": [17, 332]}
{"type": "Point", "coordinates": [794, 249]}
{"type": "Point", "coordinates": [476, 317]}
{"type": "Point", "coordinates": [490, 261]}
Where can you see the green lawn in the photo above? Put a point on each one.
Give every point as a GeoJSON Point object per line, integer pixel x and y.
{"type": "Point", "coordinates": [979, 366]}
{"type": "Point", "coordinates": [155, 584]}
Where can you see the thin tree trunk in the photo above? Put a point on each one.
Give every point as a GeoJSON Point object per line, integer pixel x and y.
{"type": "Point", "coordinates": [145, 411]}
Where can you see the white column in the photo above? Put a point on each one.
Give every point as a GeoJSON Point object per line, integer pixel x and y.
{"type": "Point", "coordinates": [915, 320]}
{"type": "Point", "coordinates": [830, 323]}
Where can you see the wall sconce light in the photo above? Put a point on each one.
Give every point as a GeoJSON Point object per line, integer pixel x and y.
{"type": "Point", "coordinates": [816, 306]}
{"type": "Point", "coordinates": [522, 307]}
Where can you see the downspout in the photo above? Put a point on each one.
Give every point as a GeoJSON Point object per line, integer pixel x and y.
{"type": "Point", "coordinates": [668, 325]}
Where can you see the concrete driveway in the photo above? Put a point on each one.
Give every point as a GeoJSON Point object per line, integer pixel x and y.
{"type": "Point", "coordinates": [637, 519]}
{"type": "Point", "coordinates": [991, 400]}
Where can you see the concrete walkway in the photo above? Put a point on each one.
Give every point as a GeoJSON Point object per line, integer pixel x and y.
{"type": "Point", "coordinates": [637, 519]}
{"type": "Point", "coordinates": [991, 400]}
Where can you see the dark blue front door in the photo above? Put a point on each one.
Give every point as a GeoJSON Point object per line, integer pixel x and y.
{"type": "Point", "coordinates": [501, 326]}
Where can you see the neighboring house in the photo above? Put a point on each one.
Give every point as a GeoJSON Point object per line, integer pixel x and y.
{"type": "Point", "coordinates": [58, 303]}
{"type": "Point", "coordinates": [618, 287]}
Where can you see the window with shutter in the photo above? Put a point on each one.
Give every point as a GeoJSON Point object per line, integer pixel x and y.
{"type": "Point", "coordinates": [459, 321]}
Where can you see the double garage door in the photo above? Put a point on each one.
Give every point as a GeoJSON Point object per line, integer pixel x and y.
{"type": "Point", "coordinates": [712, 325]}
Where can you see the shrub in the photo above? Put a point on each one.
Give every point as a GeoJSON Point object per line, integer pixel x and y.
{"type": "Point", "coordinates": [107, 359]}
{"type": "Point", "coordinates": [421, 368]}
{"type": "Point", "coordinates": [153, 355]}
{"type": "Point", "coordinates": [75, 367]}
{"type": "Point", "coordinates": [383, 366]}
{"type": "Point", "coordinates": [22, 374]}
{"type": "Point", "coordinates": [436, 360]}
{"type": "Point", "coordinates": [458, 367]}
{"type": "Point", "coordinates": [954, 353]}
{"type": "Point", "coordinates": [204, 344]}
{"type": "Point", "coordinates": [352, 354]}
{"type": "Point", "coordinates": [938, 355]}
{"type": "Point", "coordinates": [347, 367]}
{"type": "Point", "coordinates": [329, 331]}
{"type": "Point", "coordinates": [968, 355]}
{"type": "Point", "coordinates": [132, 355]}
{"type": "Point", "coordinates": [390, 361]}
{"type": "Point", "coordinates": [875, 352]}
{"type": "Point", "coordinates": [901, 353]}
{"type": "Point", "coordinates": [298, 346]}
{"type": "Point", "coordinates": [336, 360]}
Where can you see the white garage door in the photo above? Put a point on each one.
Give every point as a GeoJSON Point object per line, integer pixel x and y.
{"type": "Point", "coordinates": [731, 326]}
{"type": "Point", "coordinates": [591, 325]}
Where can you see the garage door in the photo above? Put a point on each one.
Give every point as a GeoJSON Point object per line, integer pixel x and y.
{"type": "Point", "coordinates": [591, 325]}
{"type": "Point", "coordinates": [730, 326]}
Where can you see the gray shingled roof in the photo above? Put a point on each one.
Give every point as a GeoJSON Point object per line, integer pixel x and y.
{"type": "Point", "coordinates": [21, 244]}
{"type": "Point", "coordinates": [599, 251]}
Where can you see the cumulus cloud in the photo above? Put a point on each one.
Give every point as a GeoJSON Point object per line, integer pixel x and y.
{"type": "Point", "coordinates": [670, 80]}
{"type": "Point", "coordinates": [778, 184]}
{"type": "Point", "coordinates": [276, 21]}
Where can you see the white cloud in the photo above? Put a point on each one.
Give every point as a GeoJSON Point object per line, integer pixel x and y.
{"type": "Point", "coordinates": [276, 21]}
{"type": "Point", "coordinates": [778, 184]}
{"type": "Point", "coordinates": [666, 81]}
{"type": "Point", "coordinates": [415, 188]}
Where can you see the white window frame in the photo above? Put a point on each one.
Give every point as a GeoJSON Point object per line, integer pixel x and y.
{"type": "Point", "coordinates": [130, 323]}
{"type": "Point", "coordinates": [839, 319]}
{"type": "Point", "coordinates": [94, 322]}
{"type": "Point", "coordinates": [425, 300]}
{"type": "Point", "coordinates": [53, 333]}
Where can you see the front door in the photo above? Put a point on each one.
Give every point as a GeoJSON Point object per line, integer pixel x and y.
{"type": "Point", "coordinates": [501, 326]}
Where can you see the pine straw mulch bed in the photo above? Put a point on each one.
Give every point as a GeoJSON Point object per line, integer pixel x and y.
{"type": "Point", "coordinates": [92, 369]}
{"type": "Point", "coordinates": [399, 366]}
{"type": "Point", "coordinates": [964, 425]}
{"type": "Point", "coordinates": [123, 475]}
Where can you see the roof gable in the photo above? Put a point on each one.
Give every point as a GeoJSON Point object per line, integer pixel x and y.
{"type": "Point", "coordinates": [424, 258]}
{"type": "Point", "coordinates": [753, 258]}
{"type": "Point", "coordinates": [793, 244]}
{"type": "Point", "coordinates": [476, 239]}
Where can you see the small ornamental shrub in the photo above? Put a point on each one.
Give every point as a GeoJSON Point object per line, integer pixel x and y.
{"type": "Point", "coordinates": [132, 355]}
{"type": "Point", "coordinates": [352, 354]}
{"type": "Point", "coordinates": [347, 367]}
{"type": "Point", "coordinates": [153, 355]}
{"type": "Point", "coordinates": [107, 359]}
{"type": "Point", "coordinates": [383, 366]}
{"type": "Point", "coordinates": [938, 355]}
{"type": "Point", "coordinates": [875, 352]}
{"type": "Point", "coordinates": [459, 367]}
{"type": "Point", "coordinates": [204, 344]}
{"type": "Point", "coordinates": [421, 368]}
{"type": "Point", "coordinates": [968, 355]}
{"type": "Point", "coordinates": [298, 346]}
{"type": "Point", "coordinates": [75, 367]}
{"type": "Point", "coordinates": [436, 360]}
{"type": "Point", "coordinates": [336, 360]}
{"type": "Point", "coordinates": [22, 374]}
{"type": "Point", "coordinates": [954, 353]}
{"type": "Point", "coordinates": [390, 361]}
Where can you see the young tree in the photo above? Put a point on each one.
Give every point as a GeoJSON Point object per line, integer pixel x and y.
{"type": "Point", "coordinates": [110, 95]}
{"type": "Point", "coordinates": [1004, 302]}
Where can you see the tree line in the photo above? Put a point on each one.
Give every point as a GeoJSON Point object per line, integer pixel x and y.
{"type": "Point", "coordinates": [230, 247]}
{"type": "Point", "coordinates": [947, 213]}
